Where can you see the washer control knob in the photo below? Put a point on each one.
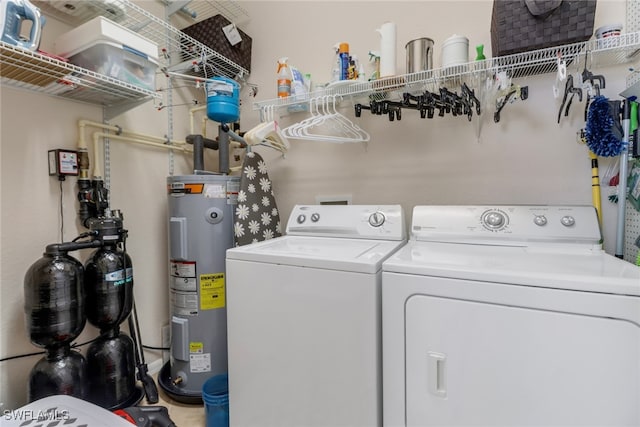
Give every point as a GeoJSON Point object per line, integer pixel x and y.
{"type": "Point", "coordinates": [301, 218]}
{"type": "Point", "coordinates": [494, 220]}
{"type": "Point", "coordinates": [540, 220]}
{"type": "Point", "coordinates": [376, 219]}
{"type": "Point", "coordinates": [315, 217]}
{"type": "Point", "coordinates": [568, 221]}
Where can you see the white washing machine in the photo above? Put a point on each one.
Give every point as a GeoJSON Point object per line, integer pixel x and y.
{"type": "Point", "coordinates": [304, 319]}
{"type": "Point", "coordinates": [509, 316]}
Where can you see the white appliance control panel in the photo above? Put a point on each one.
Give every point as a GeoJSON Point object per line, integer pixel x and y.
{"type": "Point", "coordinates": [350, 221]}
{"type": "Point", "coordinates": [516, 224]}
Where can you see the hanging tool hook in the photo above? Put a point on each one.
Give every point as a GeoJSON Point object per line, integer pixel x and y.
{"type": "Point", "coordinates": [560, 76]}
{"type": "Point", "coordinates": [568, 89]}
{"type": "Point", "coordinates": [588, 76]}
{"type": "Point", "coordinates": [513, 93]}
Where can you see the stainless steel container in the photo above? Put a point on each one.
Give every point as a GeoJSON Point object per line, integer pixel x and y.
{"type": "Point", "coordinates": [419, 55]}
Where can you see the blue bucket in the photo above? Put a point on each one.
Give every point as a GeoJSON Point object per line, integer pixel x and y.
{"type": "Point", "coordinates": [223, 100]}
{"type": "Point", "coordinates": [215, 395]}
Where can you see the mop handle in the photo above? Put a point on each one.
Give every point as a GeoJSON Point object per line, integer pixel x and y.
{"type": "Point", "coordinates": [622, 184]}
{"type": "Point", "coordinates": [595, 186]}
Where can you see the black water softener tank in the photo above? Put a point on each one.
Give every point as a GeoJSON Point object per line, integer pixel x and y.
{"type": "Point", "coordinates": [55, 316]}
{"type": "Point", "coordinates": [108, 301]}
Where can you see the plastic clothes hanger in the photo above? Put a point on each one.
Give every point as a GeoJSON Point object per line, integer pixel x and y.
{"type": "Point", "coordinates": [326, 124]}
{"type": "Point", "coordinates": [335, 122]}
{"type": "Point", "coordinates": [293, 131]}
{"type": "Point", "coordinates": [268, 134]}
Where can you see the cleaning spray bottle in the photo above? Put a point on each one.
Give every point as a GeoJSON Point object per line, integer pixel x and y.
{"type": "Point", "coordinates": [343, 53]}
{"type": "Point", "coordinates": [284, 78]}
{"type": "Point", "coordinates": [374, 57]}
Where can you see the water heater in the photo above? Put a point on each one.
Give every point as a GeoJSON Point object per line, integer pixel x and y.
{"type": "Point", "coordinates": [200, 231]}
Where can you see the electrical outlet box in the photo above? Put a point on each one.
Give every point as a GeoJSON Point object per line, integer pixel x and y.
{"type": "Point", "coordinates": [63, 163]}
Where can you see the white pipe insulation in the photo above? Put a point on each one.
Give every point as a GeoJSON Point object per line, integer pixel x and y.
{"type": "Point", "coordinates": [192, 112]}
{"type": "Point", "coordinates": [97, 171]}
{"type": "Point", "coordinates": [133, 137]}
{"type": "Point", "coordinates": [98, 135]}
{"type": "Point", "coordinates": [83, 123]}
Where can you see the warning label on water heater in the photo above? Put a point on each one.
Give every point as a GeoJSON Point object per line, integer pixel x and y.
{"type": "Point", "coordinates": [200, 362]}
{"type": "Point", "coordinates": [212, 291]}
{"type": "Point", "coordinates": [184, 290]}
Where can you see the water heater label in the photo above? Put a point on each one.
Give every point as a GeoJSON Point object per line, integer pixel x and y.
{"type": "Point", "coordinates": [180, 188]}
{"type": "Point", "coordinates": [233, 187]}
{"type": "Point", "coordinates": [183, 268]}
{"type": "Point", "coordinates": [200, 362]}
{"type": "Point", "coordinates": [214, 191]}
{"type": "Point", "coordinates": [184, 303]}
{"type": "Point", "coordinates": [184, 284]}
{"type": "Point", "coordinates": [212, 291]}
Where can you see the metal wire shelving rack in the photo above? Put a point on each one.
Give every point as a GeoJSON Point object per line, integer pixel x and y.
{"type": "Point", "coordinates": [595, 53]}
{"type": "Point", "coordinates": [178, 52]}
{"type": "Point", "coordinates": [24, 69]}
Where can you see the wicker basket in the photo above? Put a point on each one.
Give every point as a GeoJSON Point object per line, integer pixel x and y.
{"type": "Point", "coordinates": [515, 29]}
{"type": "Point", "coordinates": [209, 33]}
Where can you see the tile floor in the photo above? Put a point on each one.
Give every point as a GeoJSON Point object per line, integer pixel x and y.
{"type": "Point", "coordinates": [183, 415]}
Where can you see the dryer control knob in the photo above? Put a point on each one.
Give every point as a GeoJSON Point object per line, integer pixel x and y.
{"type": "Point", "coordinates": [315, 217]}
{"type": "Point", "coordinates": [540, 220]}
{"type": "Point", "coordinates": [494, 220]}
{"type": "Point", "coordinates": [376, 219]}
{"type": "Point", "coordinates": [301, 218]}
{"type": "Point", "coordinates": [567, 221]}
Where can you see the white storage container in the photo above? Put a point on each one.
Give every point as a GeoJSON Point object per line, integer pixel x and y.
{"type": "Point", "coordinates": [108, 48]}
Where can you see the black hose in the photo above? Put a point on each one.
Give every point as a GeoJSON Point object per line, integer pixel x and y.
{"type": "Point", "coordinates": [150, 389]}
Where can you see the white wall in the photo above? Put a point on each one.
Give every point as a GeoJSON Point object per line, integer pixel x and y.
{"type": "Point", "coordinates": [526, 158]}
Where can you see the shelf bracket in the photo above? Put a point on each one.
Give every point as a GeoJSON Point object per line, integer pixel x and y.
{"type": "Point", "coordinates": [176, 6]}
{"type": "Point", "coordinates": [111, 111]}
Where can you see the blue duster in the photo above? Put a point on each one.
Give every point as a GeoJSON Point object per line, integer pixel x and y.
{"type": "Point", "coordinates": [603, 130]}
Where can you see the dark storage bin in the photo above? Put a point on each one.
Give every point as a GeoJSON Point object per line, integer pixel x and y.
{"type": "Point", "coordinates": [524, 25]}
{"type": "Point", "coordinates": [209, 33]}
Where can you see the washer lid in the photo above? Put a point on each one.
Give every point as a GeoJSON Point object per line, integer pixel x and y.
{"type": "Point", "coordinates": [357, 255]}
{"type": "Point", "coordinates": [559, 267]}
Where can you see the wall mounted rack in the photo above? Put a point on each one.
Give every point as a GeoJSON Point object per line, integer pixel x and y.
{"type": "Point", "coordinates": [42, 73]}
{"type": "Point", "coordinates": [597, 53]}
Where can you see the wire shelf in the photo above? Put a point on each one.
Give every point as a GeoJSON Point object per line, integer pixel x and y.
{"type": "Point", "coordinates": [41, 73]}
{"type": "Point", "coordinates": [593, 53]}
{"type": "Point", "coordinates": [33, 71]}
{"type": "Point", "coordinates": [179, 51]}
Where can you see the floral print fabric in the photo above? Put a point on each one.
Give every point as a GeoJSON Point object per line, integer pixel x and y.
{"type": "Point", "coordinates": [256, 214]}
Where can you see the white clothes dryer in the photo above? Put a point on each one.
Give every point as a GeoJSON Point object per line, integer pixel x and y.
{"type": "Point", "coordinates": [304, 319]}
{"type": "Point", "coordinates": [509, 316]}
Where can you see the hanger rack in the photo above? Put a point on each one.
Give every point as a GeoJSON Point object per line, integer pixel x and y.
{"type": "Point", "coordinates": [612, 51]}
